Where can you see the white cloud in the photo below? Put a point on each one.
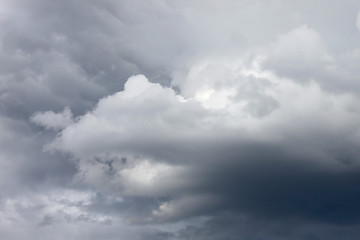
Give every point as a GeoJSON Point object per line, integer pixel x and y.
{"type": "Point", "coordinates": [183, 207]}
{"type": "Point", "coordinates": [302, 43]}
{"type": "Point", "coordinates": [51, 120]}
{"type": "Point", "coordinates": [147, 178]}
{"type": "Point", "coordinates": [137, 121]}
{"type": "Point", "coordinates": [162, 135]}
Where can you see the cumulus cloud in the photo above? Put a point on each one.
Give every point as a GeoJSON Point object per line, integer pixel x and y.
{"type": "Point", "coordinates": [181, 134]}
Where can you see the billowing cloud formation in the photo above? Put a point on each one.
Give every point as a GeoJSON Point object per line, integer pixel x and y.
{"type": "Point", "coordinates": [179, 119]}
{"type": "Point", "coordinates": [149, 141]}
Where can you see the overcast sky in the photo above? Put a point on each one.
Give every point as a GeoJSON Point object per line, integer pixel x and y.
{"type": "Point", "coordinates": [179, 120]}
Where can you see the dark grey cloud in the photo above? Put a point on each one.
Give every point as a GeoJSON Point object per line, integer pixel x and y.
{"type": "Point", "coordinates": [229, 226]}
{"type": "Point", "coordinates": [244, 124]}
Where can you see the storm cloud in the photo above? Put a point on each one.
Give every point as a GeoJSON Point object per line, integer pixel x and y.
{"type": "Point", "coordinates": [179, 119]}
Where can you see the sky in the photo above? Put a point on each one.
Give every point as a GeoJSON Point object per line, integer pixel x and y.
{"type": "Point", "coordinates": [179, 120]}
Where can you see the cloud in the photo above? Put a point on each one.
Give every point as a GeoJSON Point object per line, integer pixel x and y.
{"type": "Point", "coordinates": [303, 56]}
{"type": "Point", "coordinates": [299, 53]}
{"type": "Point", "coordinates": [66, 210]}
{"type": "Point", "coordinates": [358, 21]}
{"type": "Point", "coordinates": [245, 126]}
{"type": "Point", "coordinates": [175, 146]}
{"type": "Point", "coordinates": [51, 120]}
{"type": "Point", "coordinates": [230, 227]}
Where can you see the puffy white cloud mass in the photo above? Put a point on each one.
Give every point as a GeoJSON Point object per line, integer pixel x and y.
{"type": "Point", "coordinates": [150, 141]}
